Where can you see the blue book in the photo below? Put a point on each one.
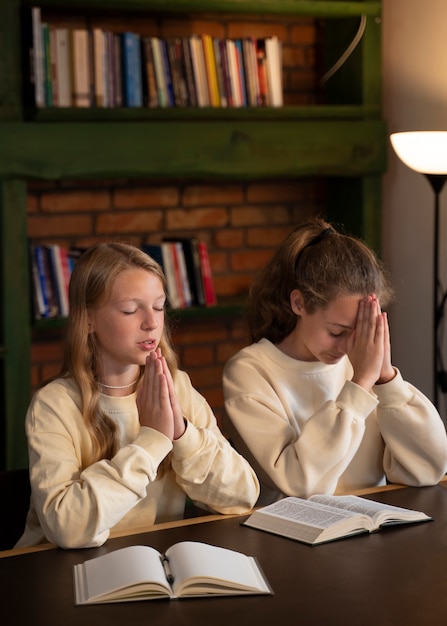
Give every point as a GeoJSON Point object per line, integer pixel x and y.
{"type": "Point", "coordinates": [132, 70]}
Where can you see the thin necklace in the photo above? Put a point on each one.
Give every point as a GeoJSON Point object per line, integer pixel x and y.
{"type": "Point", "coordinates": [118, 386]}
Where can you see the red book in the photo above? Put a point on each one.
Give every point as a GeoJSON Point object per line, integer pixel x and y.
{"type": "Point", "coordinates": [207, 278]}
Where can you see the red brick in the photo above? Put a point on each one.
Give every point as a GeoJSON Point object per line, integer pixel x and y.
{"type": "Point", "coordinates": [196, 218]}
{"type": "Point", "coordinates": [229, 238]}
{"type": "Point", "coordinates": [224, 194]}
{"type": "Point", "coordinates": [64, 202]}
{"type": "Point", "coordinates": [249, 260]}
{"type": "Point", "coordinates": [173, 28]}
{"type": "Point", "coordinates": [258, 30]}
{"type": "Point", "coordinates": [129, 222]}
{"type": "Point", "coordinates": [144, 198]}
{"type": "Point", "coordinates": [254, 215]}
{"type": "Point", "coordinates": [268, 237]}
{"type": "Point", "coordinates": [232, 285]}
{"type": "Point", "coordinates": [275, 192]}
{"type": "Point", "coordinates": [58, 226]}
{"type": "Point", "coordinates": [304, 33]}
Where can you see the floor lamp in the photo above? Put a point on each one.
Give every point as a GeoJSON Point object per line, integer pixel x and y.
{"type": "Point", "coordinates": [426, 152]}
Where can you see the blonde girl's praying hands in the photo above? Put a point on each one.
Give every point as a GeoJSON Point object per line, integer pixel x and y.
{"type": "Point", "coordinates": [157, 402]}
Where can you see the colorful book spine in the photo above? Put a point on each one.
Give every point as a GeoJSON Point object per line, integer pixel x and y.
{"type": "Point", "coordinates": [132, 71]}
{"type": "Point", "coordinates": [207, 277]}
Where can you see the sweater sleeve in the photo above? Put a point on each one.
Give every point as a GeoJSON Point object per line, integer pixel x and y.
{"type": "Point", "coordinates": [413, 432]}
{"type": "Point", "coordinates": [207, 467]}
{"type": "Point", "coordinates": [296, 460]}
{"type": "Point", "coordinates": [77, 507]}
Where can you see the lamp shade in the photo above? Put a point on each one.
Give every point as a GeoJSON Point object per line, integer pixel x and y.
{"type": "Point", "coordinates": [423, 151]}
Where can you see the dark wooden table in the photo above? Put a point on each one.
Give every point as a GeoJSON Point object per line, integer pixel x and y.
{"type": "Point", "coordinates": [396, 577]}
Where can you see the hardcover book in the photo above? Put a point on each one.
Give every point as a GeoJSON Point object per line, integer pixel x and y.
{"type": "Point", "coordinates": [324, 518]}
{"type": "Point", "coordinates": [187, 569]}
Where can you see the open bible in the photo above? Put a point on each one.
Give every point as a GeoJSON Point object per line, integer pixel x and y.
{"type": "Point", "coordinates": [187, 568]}
{"type": "Point", "coordinates": [324, 518]}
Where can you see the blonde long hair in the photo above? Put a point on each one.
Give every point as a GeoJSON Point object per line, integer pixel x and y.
{"type": "Point", "coordinates": [90, 285]}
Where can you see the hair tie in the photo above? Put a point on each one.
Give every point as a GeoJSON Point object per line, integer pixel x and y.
{"type": "Point", "coordinates": [313, 242]}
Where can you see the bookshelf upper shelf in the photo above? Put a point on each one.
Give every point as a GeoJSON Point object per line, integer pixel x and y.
{"type": "Point", "coordinates": [315, 8]}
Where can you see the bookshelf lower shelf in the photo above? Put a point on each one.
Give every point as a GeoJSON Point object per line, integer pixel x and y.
{"type": "Point", "coordinates": [220, 149]}
{"type": "Point", "coordinates": [230, 308]}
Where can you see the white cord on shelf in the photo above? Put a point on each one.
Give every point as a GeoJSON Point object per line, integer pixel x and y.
{"type": "Point", "coordinates": [357, 38]}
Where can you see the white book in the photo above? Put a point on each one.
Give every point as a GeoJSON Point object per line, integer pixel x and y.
{"type": "Point", "coordinates": [273, 51]}
{"type": "Point", "coordinates": [100, 65]}
{"type": "Point", "coordinates": [183, 273]}
{"type": "Point", "coordinates": [80, 67]}
{"type": "Point", "coordinates": [324, 518]}
{"type": "Point", "coordinates": [187, 569]}
{"type": "Point", "coordinates": [174, 297]}
{"type": "Point", "coordinates": [199, 69]}
{"type": "Point", "coordinates": [63, 67]}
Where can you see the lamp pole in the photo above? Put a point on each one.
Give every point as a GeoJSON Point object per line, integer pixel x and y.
{"type": "Point", "coordinates": [437, 183]}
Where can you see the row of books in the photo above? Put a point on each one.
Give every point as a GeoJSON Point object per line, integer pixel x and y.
{"type": "Point", "coordinates": [185, 263]}
{"type": "Point", "coordinates": [186, 266]}
{"type": "Point", "coordinates": [82, 67]}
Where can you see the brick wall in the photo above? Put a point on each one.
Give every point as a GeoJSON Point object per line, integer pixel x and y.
{"type": "Point", "coordinates": [242, 223]}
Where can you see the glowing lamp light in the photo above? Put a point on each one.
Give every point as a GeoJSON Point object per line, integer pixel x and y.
{"type": "Point", "coordinates": [426, 152]}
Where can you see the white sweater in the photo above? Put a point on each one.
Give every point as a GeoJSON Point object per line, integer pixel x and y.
{"type": "Point", "coordinates": [306, 428]}
{"type": "Point", "coordinates": [75, 505]}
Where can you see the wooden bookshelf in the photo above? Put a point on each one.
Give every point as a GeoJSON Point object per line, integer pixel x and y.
{"type": "Point", "coordinates": [344, 141]}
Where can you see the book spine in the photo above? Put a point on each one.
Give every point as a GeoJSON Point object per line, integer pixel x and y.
{"type": "Point", "coordinates": [131, 65]}
{"type": "Point", "coordinates": [219, 71]}
{"type": "Point", "coordinates": [189, 72]}
{"type": "Point", "coordinates": [48, 84]}
{"type": "Point", "coordinates": [159, 72]}
{"type": "Point", "coordinates": [169, 270]}
{"type": "Point", "coordinates": [210, 70]}
{"type": "Point", "coordinates": [225, 72]}
{"type": "Point", "coordinates": [240, 69]}
{"type": "Point", "coordinates": [167, 73]}
{"type": "Point", "coordinates": [207, 278]}
{"type": "Point", "coordinates": [251, 73]}
{"type": "Point", "coordinates": [177, 275]}
{"type": "Point", "coordinates": [177, 69]}
{"type": "Point", "coordinates": [37, 57]}
{"type": "Point", "coordinates": [40, 302]}
{"type": "Point", "coordinates": [198, 63]}
{"type": "Point", "coordinates": [262, 73]}
{"type": "Point", "coordinates": [99, 57]}
{"type": "Point", "coordinates": [59, 267]}
{"type": "Point", "coordinates": [274, 70]}
{"type": "Point", "coordinates": [63, 67]}
{"type": "Point", "coordinates": [186, 288]}
{"type": "Point", "coordinates": [233, 73]}
{"type": "Point", "coordinates": [150, 84]}
{"type": "Point", "coordinates": [81, 67]}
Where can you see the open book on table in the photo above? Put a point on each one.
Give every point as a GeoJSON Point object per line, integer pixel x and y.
{"type": "Point", "coordinates": [188, 568]}
{"type": "Point", "coordinates": [324, 518]}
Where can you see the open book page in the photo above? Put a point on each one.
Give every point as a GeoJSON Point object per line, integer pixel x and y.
{"type": "Point", "coordinates": [200, 568]}
{"type": "Point", "coordinates": [120, 575]}
{"type": "Point", "coordinates": [307, 521]}
{"type": "Point", "coordinates": [379, 512]}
